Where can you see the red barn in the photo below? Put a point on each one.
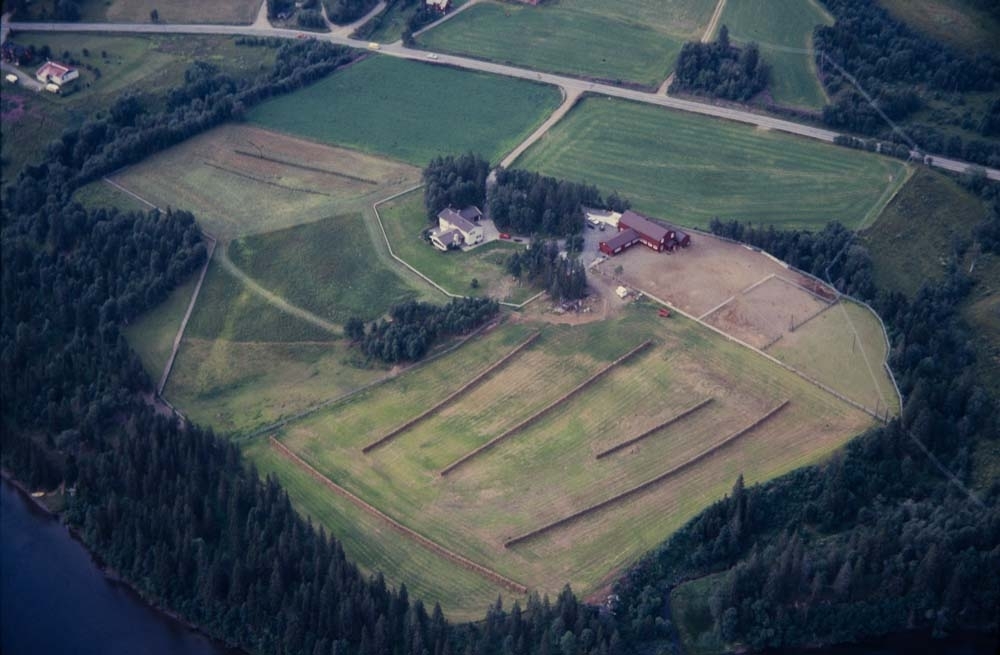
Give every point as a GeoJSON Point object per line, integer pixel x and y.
{"type": "Point", "coordinates": [619, 242]}
{"type": "Point", "coordinates": [651, 234]}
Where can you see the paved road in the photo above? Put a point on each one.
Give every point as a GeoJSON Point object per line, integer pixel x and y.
{"type": "Point", "coordinates": [569, 84]}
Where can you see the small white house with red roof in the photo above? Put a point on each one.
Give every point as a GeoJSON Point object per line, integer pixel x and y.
{"type": "Point", "coordinates": [53, 72]}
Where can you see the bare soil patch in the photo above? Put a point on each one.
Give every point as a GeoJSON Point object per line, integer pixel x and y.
{"type": "Point", "coordinates": [730, 286]}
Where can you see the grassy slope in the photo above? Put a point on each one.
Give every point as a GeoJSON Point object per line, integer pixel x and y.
{"type": "Point", "coordinates": [152, 335]}
{"type": "Point", "coordinates": [405, 219]}
{"type": "Point", "coordinates": [689, 169]}
{"type": "Point", "coordinates": [560, 38]}
{"type": "Point", "coordinates": [549, 470]}
{"type": "Point", "coordinates": [776, 25]}
{"type": "Point", "coordinates": [913, 238]}
{"type": "Point", "coordinates": [153, 63]}
{"type": "Point", "coordinates": [244, 363]}
{"type": "Point", "coordinates": [323, 267]}
{"type": "Point", "coordinates": [955, 22]}
{"type": "Point", "coordinates": [411, 111]}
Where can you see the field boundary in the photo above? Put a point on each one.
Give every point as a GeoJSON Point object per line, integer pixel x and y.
{"type": "Point", "coordinates": [542, 412]}
{"type": "Point", "coordinates": [187, 315]}
{"type": "Point", "coordinates": [670, 421]}
{"type": "Point", "coordinates": [796, 326]}
{"type": "Point", "coordinates": [464, 388]}
{"type": "Point", "coordinates": [812, 293]}
{"type": "Point", "coordinates": [649, 483]}
{"type": "Point", "coordinates": [433, 546]}
{"type": "Point", "coordinates": [262, 180]}
{"type": "Point", "coordinates": [305, 167]}
{"type": "Point", "coordinates": [388, 244]}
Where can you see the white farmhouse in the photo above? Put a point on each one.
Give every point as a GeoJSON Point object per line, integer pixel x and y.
{"type": "Point", "coordinates": [457, 228]}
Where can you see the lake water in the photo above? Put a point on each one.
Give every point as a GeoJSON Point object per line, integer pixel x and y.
{"type": "Point", "coordinates": [54, 599]}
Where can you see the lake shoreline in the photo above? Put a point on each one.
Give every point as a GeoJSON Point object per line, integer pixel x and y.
{"type": "Point", "coordinates": [109, 572]}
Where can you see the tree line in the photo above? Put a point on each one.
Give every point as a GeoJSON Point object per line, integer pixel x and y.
{"type": "Point", "coordinates": [896, 66]}
{"type": "Point", "coordinates": [563, 277]}
{"type": "Point", "coordinates": [720, 69]}
{"type": "Point", "coordinates": [413, 327]}
{"type": "Point", "coordinates": [876, 541]}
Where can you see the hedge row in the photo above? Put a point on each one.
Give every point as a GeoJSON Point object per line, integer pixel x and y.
{"type": "Point", "coordinates": [668, 422]}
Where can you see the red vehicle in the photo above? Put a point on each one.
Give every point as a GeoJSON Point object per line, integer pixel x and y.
{"type": "Point", "coordinates": [664, 313]}
{"type": "Point", "coordinates": [504, 235]}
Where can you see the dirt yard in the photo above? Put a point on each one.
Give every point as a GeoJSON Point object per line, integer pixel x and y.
{"type": "Point", "coordinates": [740, 291]}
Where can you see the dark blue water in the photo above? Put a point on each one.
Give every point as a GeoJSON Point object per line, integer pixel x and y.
{"type": "Point", "coordinates": [54, 599]}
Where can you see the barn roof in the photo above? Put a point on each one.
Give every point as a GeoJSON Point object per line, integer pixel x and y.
{"type": "Point", "coordinates": [645, 226]}
{"type": "Point", "coordinates": [623, 238]}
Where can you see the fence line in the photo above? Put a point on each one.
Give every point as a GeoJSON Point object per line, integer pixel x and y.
{"type": "Point", "coordinates": [540, 413]}
{"type": "Point", "coordinates": [649, 483]}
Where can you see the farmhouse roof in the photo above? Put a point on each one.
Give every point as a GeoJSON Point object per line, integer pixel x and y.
{"type": "Point", "coordinates": [455, 218]}
{"type": "Point", "coordinates": [52, 68]}
{"type": "Point", "coordinates": [623, 238]}
{"type": "Point", "coordinates": [645, 226]}
{"type": "Point", "coordinates": [471, 213]}
{"type": "Point", "coordinates": [449, 237]}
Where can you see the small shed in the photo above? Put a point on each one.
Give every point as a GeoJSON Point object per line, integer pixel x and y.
{"type": "Point", "coordinates": [622, 292]}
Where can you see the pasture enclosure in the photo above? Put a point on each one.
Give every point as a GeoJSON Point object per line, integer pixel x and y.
{"type": "Point", "coordinates": [689, 169]}
{"type": "Point", "coordinates": [783, 29]}
{"type": "Point", "coordinates": [240, 180]}
{"type": "Point", "coordinates": [620, 42]}
{"type": "Point", "coordinates": [411, 110]}
{"type": "Point", "coordinates": [550, 471]}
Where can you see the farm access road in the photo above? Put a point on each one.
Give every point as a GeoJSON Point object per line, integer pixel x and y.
{"type": "Point", "coordinates": [570, 85]}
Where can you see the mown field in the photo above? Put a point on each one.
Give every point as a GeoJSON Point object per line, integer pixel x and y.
{"type": "Point", "coordinates": [412, 111]}
{"type": "Point", "coordinates": [241, 180]}
{"type": "Point", "coordinates": [689, 169]}
{"type": "Point", "coordinates": [153, 63]}
{"type": "Point", "coordinates": [405, 219]}
{"type": "Point", "coordinates": [783, 29]}
{"type": "Point", "coordinates": [915, 236]}
{"type": "Point", "coordinates": [959, 23]}
{"type": "Point", "coordinates": [549, 470]}
{"type": "Point", "coordinates": [625, 42]}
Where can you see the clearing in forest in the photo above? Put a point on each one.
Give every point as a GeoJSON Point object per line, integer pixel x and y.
{"type": "Point", "coordinates": [688, 169]}
{"type": "Point", "coordinates": [634, 42]}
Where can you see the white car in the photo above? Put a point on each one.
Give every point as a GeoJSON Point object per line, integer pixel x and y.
{"type": "Point", "coordinates": [431, 55]}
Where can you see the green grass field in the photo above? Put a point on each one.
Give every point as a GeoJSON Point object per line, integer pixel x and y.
{"type": "Point", "coordinates": [154, 63]}
{"type": "Point", "coordinates": [412, 111]}
{"type": "Point", "coordinates": [914, 237]}
{"type": "Point", "coordinates": [689, 169]}
{"type": "Point", "coordinates": [631, 42]}
{"type": "Point", "coordinates": [549, 470]}
{"type": "Point", "coordinates": [781, 27]}
{"type": "Point", "coordinates": [405, 219]}
{"type": "Point", "coordinates": [826, 349]}
{"type": "Point", "coordinates": [240, 180]}
{"type": "Point", "coordinates": [244, 363]}
{"type": "Point", "coordinates": [152, 334]}
{"type": "Point", "coordinates": [241, 12]}
{"type": "Point", "coordinates": [323, 267]}
{"type": "Point", "coordinates": [958, 23]}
